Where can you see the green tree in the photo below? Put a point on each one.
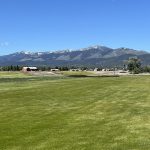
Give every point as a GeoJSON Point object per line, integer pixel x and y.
{"type": "Point", "coordinates": [134, 65]}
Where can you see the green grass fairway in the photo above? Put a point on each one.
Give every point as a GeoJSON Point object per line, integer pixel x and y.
{"type": "Point", "coordinates": [75, 113]}
{"type": "Point", "coordinates": [12, 74]}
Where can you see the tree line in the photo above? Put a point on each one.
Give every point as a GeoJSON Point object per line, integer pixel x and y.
{"type": "Point", "coordinates": [134, 66]}
{"type": "Point", "coordinates": [10, 68]}
{"type": "Point", "coordinates": [42, 68]}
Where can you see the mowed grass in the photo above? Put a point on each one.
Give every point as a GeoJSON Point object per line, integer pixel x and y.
{"type": "Point", "coordinates": [75, 114]}
{"type": "Point", "coordinates": [12, 74]}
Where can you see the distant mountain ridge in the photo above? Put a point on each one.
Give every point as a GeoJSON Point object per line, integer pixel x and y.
{"type": "Point", "coordinates": [91, 56]}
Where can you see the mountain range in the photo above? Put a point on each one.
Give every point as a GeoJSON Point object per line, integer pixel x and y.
{"type": "Point", "coordinates": [91, 56]}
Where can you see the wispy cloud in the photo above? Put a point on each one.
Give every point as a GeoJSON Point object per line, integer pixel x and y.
{"type": "Point", "coordinates": [4, 44]}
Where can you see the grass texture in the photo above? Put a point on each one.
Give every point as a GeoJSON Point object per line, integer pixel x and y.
{"type": "Point", "coordinates": [75, 113]}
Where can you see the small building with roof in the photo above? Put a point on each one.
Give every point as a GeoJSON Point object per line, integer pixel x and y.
{"type": "Point", "coordinates": [26, 69]}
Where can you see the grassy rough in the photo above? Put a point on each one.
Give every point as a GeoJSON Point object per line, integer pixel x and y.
{"type": "Point", "coordinates": [75, 114]}
{"type": "Point", "coordinates": [12, 74]}
{"type": "Point", "coordinates": [87, 73]}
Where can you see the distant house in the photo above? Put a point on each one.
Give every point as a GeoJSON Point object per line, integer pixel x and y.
{"type": "Point", "coordinates": [26, 69]}
{"type": "Point", "coordinates": [96, 69]}
{"type": "Point", "coordinates": [106, 69]}
{"type": "Point", "coordinates": [55, 70]}
{"type": "Point", "coordinates": [75, 69]}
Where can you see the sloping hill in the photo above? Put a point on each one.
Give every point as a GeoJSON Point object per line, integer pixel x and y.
{"type": "Point", "coordinates": [91, 56]}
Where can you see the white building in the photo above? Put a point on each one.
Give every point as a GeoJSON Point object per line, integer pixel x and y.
{"type": "Point", "coordinates": [25, 69]}
{"type": "Point", "coordinates": [55, 70]}
{"type": "Point", "coordinates": [96, 69]}
{"type": "Point", "coordinates": [75, 69]}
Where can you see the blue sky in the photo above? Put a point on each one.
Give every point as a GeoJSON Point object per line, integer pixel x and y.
{"type": "Point", "coordinates": [43, 25]}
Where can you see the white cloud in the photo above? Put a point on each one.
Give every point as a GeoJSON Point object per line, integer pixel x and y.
{"type": "Point", "coordinates": [4, 44]}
